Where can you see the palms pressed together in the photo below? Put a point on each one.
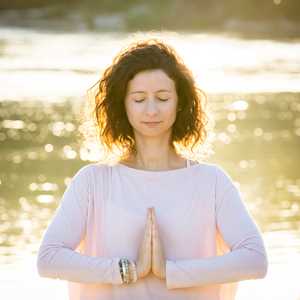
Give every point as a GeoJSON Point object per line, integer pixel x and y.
{"type": "Point", "coordinates": [151, 255]}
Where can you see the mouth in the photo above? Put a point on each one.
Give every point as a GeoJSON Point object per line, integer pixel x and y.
{"type": "Point", "coordinates": [151, 123]}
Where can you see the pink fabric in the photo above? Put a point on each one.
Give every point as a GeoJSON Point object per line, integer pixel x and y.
{"type": "Point", "coordinates": [211, 241]}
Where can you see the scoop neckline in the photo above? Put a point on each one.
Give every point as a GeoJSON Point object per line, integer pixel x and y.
{"type": "Point", "coordinates": [155, 173]}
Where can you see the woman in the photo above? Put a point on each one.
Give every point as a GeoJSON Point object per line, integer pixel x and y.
{"type": "Point", "coordinates": [154, 225]}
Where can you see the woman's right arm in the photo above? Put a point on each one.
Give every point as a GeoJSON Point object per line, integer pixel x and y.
{"type": "Point", "coordinates": [57, 257]}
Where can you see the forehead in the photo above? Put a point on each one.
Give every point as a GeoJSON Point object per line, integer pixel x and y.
{"type": "Point", "coordinates": [157, 79]}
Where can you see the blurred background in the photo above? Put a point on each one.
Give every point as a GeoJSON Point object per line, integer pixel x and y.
{"type": "Point", "coordinates": [244, 54]}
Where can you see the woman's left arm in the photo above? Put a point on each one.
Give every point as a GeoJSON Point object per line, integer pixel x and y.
{"type": "Point", "coordinates": [247, 258]}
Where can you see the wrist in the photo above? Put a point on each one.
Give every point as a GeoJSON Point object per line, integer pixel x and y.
{"type": "Point", "coordinates": [128, 270]}
{"type": "Point", "coordinates": [133, 269]}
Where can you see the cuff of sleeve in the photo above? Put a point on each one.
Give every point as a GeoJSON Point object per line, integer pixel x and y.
{"type": "Point", "coordinates": [171, 275]}
{"type": "Point", "coordinates": [177, 274]}
{"type": "Point", "coordinates": [116, 275]}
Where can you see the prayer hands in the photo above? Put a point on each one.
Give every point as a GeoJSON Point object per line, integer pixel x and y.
{"type": "Point", "coordinates": [158, 256]}
{"type": "Point", "coordinates": [143, 263]}
{"type": "Point", "coordinates": [151, 254]}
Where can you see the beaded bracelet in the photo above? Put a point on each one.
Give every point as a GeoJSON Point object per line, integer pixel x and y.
{"type": "Point", "coordinates": [127, 275]}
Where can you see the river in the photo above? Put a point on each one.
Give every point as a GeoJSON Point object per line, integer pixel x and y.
{"type": "Point", "coordinates": [253, 88]}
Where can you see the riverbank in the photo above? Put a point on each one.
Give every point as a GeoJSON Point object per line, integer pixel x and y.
{"type": "Point", "coordinates": [142, 18]}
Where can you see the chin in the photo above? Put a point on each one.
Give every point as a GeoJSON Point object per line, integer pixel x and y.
{"type": "Point", "coordinates": [152, 132]}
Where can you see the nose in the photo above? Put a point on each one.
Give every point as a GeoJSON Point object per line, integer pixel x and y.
{"type": "Point", "coordinates": [151, 107]}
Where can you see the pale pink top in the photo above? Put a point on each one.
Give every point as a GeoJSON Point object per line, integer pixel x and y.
{"type": "Point", "coordinates": [210, 240]}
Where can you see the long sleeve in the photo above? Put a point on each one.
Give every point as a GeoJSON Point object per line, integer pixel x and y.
{"type": "Point", "coordinates": [57, 257]}
{"type": "Point", "coordinates": [247, 258]}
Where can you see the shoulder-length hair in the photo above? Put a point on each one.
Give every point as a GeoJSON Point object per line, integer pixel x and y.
{"type": "Point", "coordinates": [108, 108]}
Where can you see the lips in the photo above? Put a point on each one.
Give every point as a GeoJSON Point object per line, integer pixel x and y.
{"type": "Point", "coordinates": [151, 124]}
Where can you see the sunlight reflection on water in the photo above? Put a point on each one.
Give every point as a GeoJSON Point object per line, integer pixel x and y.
{"type": "Point", "coordinates": [73, 62]}
{"type": "Point", "coordinates": [261, 132]}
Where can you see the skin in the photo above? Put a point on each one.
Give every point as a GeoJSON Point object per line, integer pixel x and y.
{"type": "Point", "coordinates": [144, 260]}
{"type": "Point", "coordinates": [151, 96]}
{"type": "Point", "coordinates": [151, 254]}
{"type": "Point", "coordinates": [158, 256]}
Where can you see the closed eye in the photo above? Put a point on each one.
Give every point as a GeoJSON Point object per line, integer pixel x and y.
{"type": "Point", "coordinates": [160, 99]}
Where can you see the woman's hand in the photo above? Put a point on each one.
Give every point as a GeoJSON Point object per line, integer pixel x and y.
{"type": "Point", "coordinates": [158, 256]}
{"type": "Point", "coordinates": [143, 263]}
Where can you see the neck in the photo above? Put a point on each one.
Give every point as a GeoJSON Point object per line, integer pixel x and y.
{"type": "Point", "coordinates": [155, 156]}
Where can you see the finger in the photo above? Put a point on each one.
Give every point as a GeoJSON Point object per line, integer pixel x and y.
{"type": "Point", "coordinates": [147, 238]}
{"type": "Point", "coordinates": [154, 225]}
{"type": "Point", "coordinates": [156, 242]}
{"type": "Point", "coordinates": [152, 211]}
{"type": "Point", "coordinates": [149, 218]}
{"type": "Point", "coordinates": [148, 231]}
{"type": "Point", "coordinates": [149, 214]}
{"type": "Point", "coordinates": [145, 249]}
{"type": "Point", "coordinates": [153, 215]}
{"type": "Point", "coordinates": [155, 239]}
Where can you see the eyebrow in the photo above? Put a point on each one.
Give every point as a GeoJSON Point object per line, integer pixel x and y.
{"type": "Point", "coordinates": [136, 92]}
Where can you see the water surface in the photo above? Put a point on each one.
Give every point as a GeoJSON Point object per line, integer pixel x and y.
{"type": "Point", "coordinates": [253, 91]}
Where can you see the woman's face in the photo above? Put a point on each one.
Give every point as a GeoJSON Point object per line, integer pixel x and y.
{"type": "Point", "coordinates": [151, 97]}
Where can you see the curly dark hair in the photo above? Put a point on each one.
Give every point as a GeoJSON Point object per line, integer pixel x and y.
{"type": "Point", "coordinates": [109, 114]}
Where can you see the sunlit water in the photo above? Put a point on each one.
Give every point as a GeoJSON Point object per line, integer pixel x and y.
{"type": "Point", "coordinates": [50, 65]}
{"type": "Point", "coordinates": [257, 139]}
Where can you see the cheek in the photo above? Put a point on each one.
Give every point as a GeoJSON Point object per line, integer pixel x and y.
{"type": "Point", "coordinates": [170, 111]}
{"type": "Point", "coordinates": [133, 112]}
{"type": "Point", "coordinates": [169, 116]}
{"type": "Point", "coordinates": [133, 109]}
